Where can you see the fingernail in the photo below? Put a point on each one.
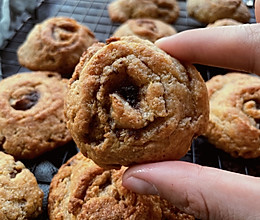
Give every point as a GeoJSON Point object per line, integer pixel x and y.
{"type": "Point", "coordinates": [140, 186]}
{"type": "Point", "coordinates": [159, 41]}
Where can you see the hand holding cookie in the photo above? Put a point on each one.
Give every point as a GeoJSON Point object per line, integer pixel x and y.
{"type": "Point", "coordinates": [129, 102]}
{"type": "Point", "coordinates": [207, 193]}
{"type": "Point", "coordinates": [213, 46]}
{"type": "Point", "coordinates": [83, 190]}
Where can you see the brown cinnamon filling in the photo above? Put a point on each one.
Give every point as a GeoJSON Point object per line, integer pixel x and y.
{"type": "Point", "coordinates": [2, 141]}
{"type": "Point", "coordinates": [257, 123]}
{"type": "Point", "coordinates": [68, 27]}
{"type": "Point", "coordinates": [148, 24]}
{"type": "Point", "coordinates": [15, 172]}
{"type": "Point", "coordinates": [165, 5]}
{"type": "Point", "coordinates": [129, 93]}
{"type": "Point", "coordinates": [63, 32]}
{"type": "Point", "coordinates": [25, 102]}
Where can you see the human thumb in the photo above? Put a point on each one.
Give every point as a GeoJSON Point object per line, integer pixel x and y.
{"type": "Point", "coordinates": [206, 193]}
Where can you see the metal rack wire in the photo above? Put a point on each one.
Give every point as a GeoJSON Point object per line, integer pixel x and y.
{"type": "Point", "coordinates": [93, 13]}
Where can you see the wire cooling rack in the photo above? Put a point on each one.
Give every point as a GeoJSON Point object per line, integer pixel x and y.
{"type": "Point", "coordinates": [94, 14]}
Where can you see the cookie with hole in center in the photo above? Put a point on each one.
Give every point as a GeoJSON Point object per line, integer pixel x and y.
{"type": "Point", "coordinates": [129, 102]}
{"type": "Point", "coordinates": [32, 114]}
{"type": "Point", "coordinates": [20, 195]}
{"type": "Point", "coordinates": [83, 190]}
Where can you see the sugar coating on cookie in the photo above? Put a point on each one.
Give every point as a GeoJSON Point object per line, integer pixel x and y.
{"type": "Point", "coordinates": [208, 11]}
{"type": "Point", "coordinates": [83, 190]}
{"type": "Point", "coordinates": [129, 102]}
{"type": "Point", "coordinates": [234, 124]}
{"type": "Point", "coordinates": [149, 29]}
{"type": "Point", "coordinates": [32, 114]}
{"type": "Point", "coordinates": [20, 195]}
{"type": "Point", "coordinates": [55, 44]}
{"type": "Point", "coordinates": [165, 10]}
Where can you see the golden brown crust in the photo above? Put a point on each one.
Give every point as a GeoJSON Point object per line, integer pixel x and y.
{"type": "Point", "coordinates": [132, 103]}
{"type": "Point", "coordinates": [20, 195]}
{"type": "Point", "coordinates": [56, 44]}
{"type": "Point", "coordinates": [208, 11]}
{"type": "Point", "coordinates": [32, 114]}
{"type": "Point", "coordinates": [224, 22]}
{"type": "Point", "coordinates": [165, 10]}
{"type": "Point", "coordinates": [235, 114]}
{"type": "Point", "coordinates": [82, 190]}
{"type": "Point", "coordinates": [148, 29]}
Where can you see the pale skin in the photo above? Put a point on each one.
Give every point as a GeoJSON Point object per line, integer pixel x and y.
{"type": "Point", "coordinates": [205, 192]}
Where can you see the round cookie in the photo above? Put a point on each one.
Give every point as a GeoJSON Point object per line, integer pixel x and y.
{"type": "Point", "coordinates": [165, 10]}
{"type": "Point", "coordinates": [208, 11]}
{"type": "Point", "coordinates": [149, 29]}
{"type": "Point", "coordinates": [224, 22]}
{"type": "Point", "coordinates": [234, 124]}
{"type": "Point", "coordinates": [83, 190]}
{"type": "Point", "coordinates": [56, 45]}
{"type": "Point", "coordinates": [130, 102]}
{"type": "Point", "coordinates": [32, 114]}
{"type": "Point", "coordinates": [20, 195]}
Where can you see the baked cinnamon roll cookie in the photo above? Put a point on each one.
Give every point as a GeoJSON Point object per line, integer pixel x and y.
{"type": "Point", "coordinates": [129, 102]}
{"type": "Point", "coordinates": [83, 190]}
{"type": "Point", "coordinates": [234, 124]}
{"type": "Point", "coordinates": [20, 195]}
{"type": "Point", "coordinates": [208, 11]}
{"type": "Point", "coordinates": [56, 44]}
{"type": "Point", "coordinates": [165, 10]}
{"type": "Point", "coordinates": [149, 29]}
{"type": "Point", "coordinates": [32, 114]}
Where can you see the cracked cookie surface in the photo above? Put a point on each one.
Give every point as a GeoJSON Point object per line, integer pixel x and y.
{"type": "Point", "coordinates": [32, 114]}
{"type": "Point", "coordinates": [165, 10]}
{"type": "Point", "coordinates": [234, 124]}
{"type": "Point", "coordinates": [83, 190]}
{"type": "Point", "coordinates": [20, 196]}
{"type": "Point", "coordinates": [55, 44]}
{"type": "Point", "coordinates": [208, 11]}
{"type": "Point", "coordinates": [129, 102]}
{"type": "Point", "coordinates": [148, 29]}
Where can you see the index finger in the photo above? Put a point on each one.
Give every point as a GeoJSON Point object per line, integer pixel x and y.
{"type": "Point", "coordinates": [233, 47]}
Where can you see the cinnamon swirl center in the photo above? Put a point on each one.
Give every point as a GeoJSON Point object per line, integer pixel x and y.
{"type": "Point", "coordinates": [252, 109]}
{"type": "Point", "coordinates": [24, 101]}
{"type": "Point", "coordinates": [130, 93]}
{"type": "Point", "coordinates": [149, 25]}
{"type": "Point", "coordinates": [64, 32]}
